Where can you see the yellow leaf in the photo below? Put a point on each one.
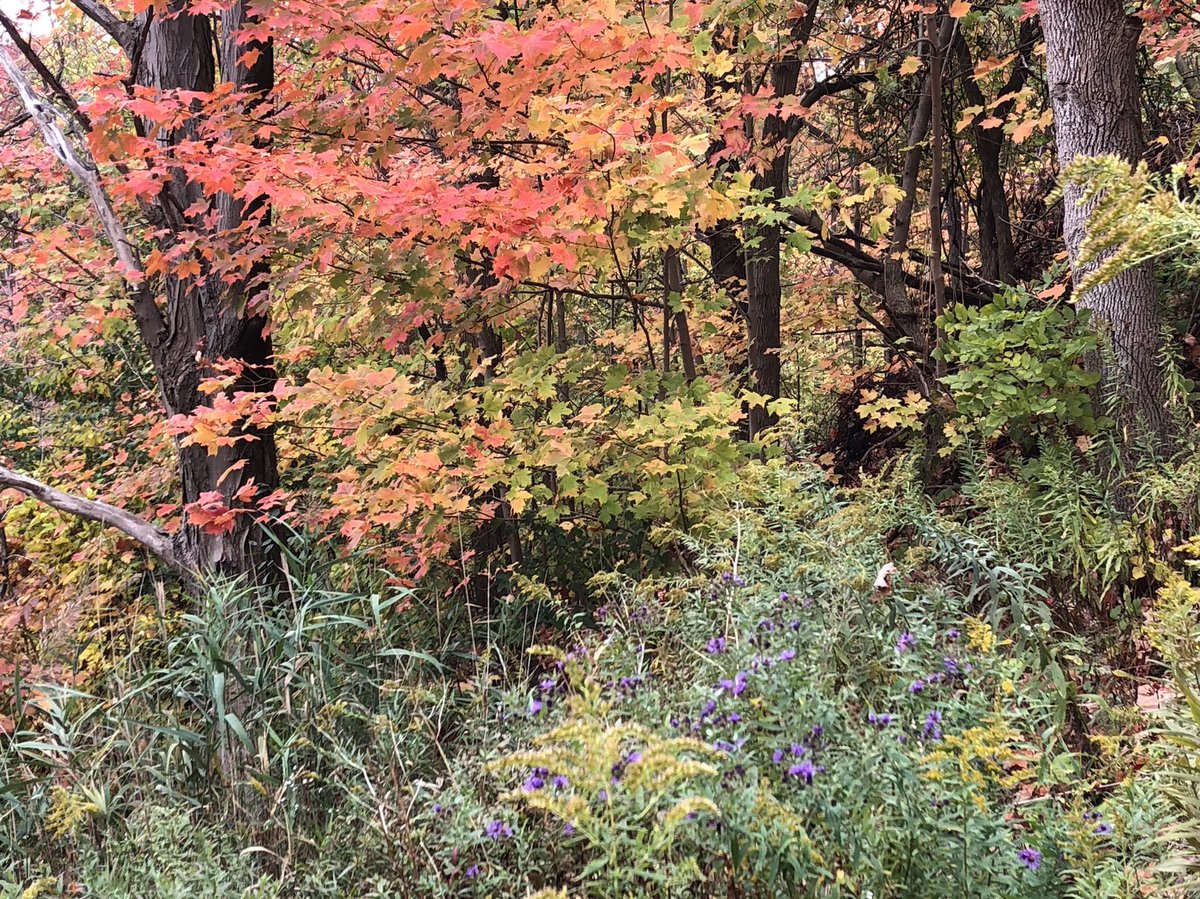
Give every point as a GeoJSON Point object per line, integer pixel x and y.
{"type": "Point", "coordinates": [910, 65]}
{"type": "Point", "coordinates": [959, 8]}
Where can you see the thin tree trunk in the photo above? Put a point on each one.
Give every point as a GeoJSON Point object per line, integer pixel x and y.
{"type": "Point", "coordinates": [899, 304]}
{"type": "Point", "coordinates": [764, 288]}
{"type": "Point", "coordinates": [673, 274]}
{"type": "Point", "coordinates": [997, 254]}
{"type": "Point", "coordinates": [935, 179]}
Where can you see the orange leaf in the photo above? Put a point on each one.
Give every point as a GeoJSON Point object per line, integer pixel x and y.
{"type": "Point", "coordinates": [1023, 130]}
{"type": "Point", "coordinates": [236, 466]}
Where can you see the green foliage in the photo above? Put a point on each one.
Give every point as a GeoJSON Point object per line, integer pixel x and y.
{"type": "Point", "coordinates": [161, 853]}
{"type": "Point", "coordinates": [1016, 367]}
{"type": "Point", "coordinates": [1056, 513]}
{"type": "Point", "coordinates": [773, 725]}
{"type": "Point", "coordinates": [1174, 630]}
{"type": "Point", "coordinates": [1134, 217]}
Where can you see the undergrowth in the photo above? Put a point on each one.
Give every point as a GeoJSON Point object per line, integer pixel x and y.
{"type": "Point", "coordinates": [841, 694]}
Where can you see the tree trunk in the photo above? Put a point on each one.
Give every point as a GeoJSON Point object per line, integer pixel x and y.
{"type": "Point", "coordinates": [764, 296]}
{"type": "Point", "coordinates": [997, 253]}
{"type": "Point", "coordinates": [210, 320]}
{"type": "Point", "coordinates": [1091, 48]}
{"type": "Point", "coordinates": [764, 289]}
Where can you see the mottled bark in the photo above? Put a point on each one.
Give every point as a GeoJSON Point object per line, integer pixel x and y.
{"type": "Point", "coordinates": [210, 320]}
{"type": "Point", "coordinates": [1091, 48]}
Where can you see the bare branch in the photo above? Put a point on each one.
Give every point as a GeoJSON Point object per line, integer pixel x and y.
{"type": "Point", "coordinates": [156, 541]}
{"type": "Point", "coordinates": [124, 33]}
{"type": "Point", "coordinates": [146, 312]}
{"type": "Point", "coordinates": [48, 77]}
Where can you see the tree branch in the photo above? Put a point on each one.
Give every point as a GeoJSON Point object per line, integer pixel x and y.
{"type": "Point", "coordinates": [44, 72]}
{"type": "Point", "coordinates": [146, 312]}
{"type": "Point", "coordinates": [156, 541]}
{"type": "Point", "coordinates": [124, 33]}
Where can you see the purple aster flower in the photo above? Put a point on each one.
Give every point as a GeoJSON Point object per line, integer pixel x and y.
{"type": "Point", "coordinates": [498, 830]}
{"type": "Point", "coordinates": [787, 655]}
{"type": "Point", "coordinates": [1030, 858]}
{"type": "Point", "coordinates": [715, 646]}
{"type": "Point", "coordinates": [798, 751]}
{"type": "Point", "coordinates": [933, 725]}
{"type": "Point", "coordinates": [548, 685]}
{"type": "Point", "coordinates": [766, 625]}
{"type": "Point", "coordinates": [602, 795]}
{"type": "Point", "coordinates": [535, 707]}
{"type": "Point", "coordinates": [532, 784]}
{"type": "Point", "coordinates": [917, 686]}
{"type": "Point", "coordinates": [952, 635]}
{"type": "Point", "coordinates": [472, 871]}
{"type": "Point", "coordinates": [783, 596]}
{"type": "Point", "coordinates": [881, 720]}
{"type": "Point", "coordinates": [777, 756]}
{"type": "Point", "coordinates": [437, 808]}
{"type": "Point", "coordinates": [906, 642]}
{"type": "Point", "coordinates": [805, 771]}
{"type": "Point", "coordinates": [736, 685]}
{"type": "Point", "coordinates": [817, 731]}
{"type": "Point", "coordinates": [568, 828]}
{"type": "Point", "coordinates": [560, 782]}
{"type": "Point", "coordinates": [951, 666]}
{"type": "Point", "coordinates": [795, 625]}
{"type": "Point", "coordinates": [709, 708]}
{"type": "Point", "coordinates": [1104, 829]}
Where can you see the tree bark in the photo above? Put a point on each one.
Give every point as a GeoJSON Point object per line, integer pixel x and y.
{"type": "Point", "coordinates": [211, 320]}
{"type": "Point", "coordinates": [764, 289]}
{"type": "Point", "coordinates": [205, 319]}
{"type": "Point", "coordinates": [1091, 48]}
{"type": "Point", "coordinates": [997, 253]}
{"type": "Point", "coordinates": [673, 275]}
{"type": "Point", "coordinates": [156, 541]}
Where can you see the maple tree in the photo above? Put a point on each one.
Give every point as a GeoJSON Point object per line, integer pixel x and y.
{"type": "Point", "coordinates": [433, 274]}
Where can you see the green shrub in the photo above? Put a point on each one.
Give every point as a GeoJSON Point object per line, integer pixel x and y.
{"type": "Point", "coordinates": [1016, 367]}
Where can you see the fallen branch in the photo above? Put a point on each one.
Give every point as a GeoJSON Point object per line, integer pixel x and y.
{"type": "Point", "coordinates": [156, 541]}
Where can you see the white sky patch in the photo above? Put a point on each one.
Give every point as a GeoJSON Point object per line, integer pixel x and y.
{"type": "Point", "coordinates": [31, 16]}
